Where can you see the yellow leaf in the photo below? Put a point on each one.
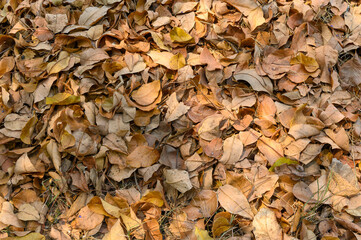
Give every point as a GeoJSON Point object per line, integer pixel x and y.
{"type": "Point", "coordinates": [177, 62]}
{"type": "Point", "coordinates": [202, 234]}
{"type": "Point", "coordinates": [30, 236]}
{"type": "Point", "coordinates": [62, 63]}
{"type": "Point", "coordinates": [28, 130]}
{"type": "Point", "coordinates": [62, 99]}
{"type": "Point", "coordinates": [67, 140]}
{"type": "Point", "coordinates": [281, 161]}
{"type": "Point", "coordinates": [178, 35]}
{"type": "Point", "coordinates": [255, 18]}
{"type": "Point", "coordinates": [153, 197]}
{"type": "Point", "coordinates": [309, 63]}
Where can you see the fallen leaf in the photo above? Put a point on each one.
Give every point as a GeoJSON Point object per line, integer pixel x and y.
{"type": "Point", "coordinates": [178, 35]}
{"type": "Point", "coordinates": [147, 93]}
{"type": "Point", "coordinates": [28, 130]}
{"type": "Point", "coordinates": [266, 226]}
{"type": "Point", "coordinates": [62, 99]}
{"type": "Point", "coordinates": [282, 161]}
{"type": "Point", "coordinates": [92, 15]}
{"type": "Point", "coordinates": [232, 150]}
{"type": "Point", "coordinates": [257, 82]}
{"type": "Point", "coordinates": [202, 234]}
{"type": "Point", "coordinates": [270, 148]}
{"type": "Point", "coordinates": [175, 109]}
{"type": "Point", "coordinates": [116, 232]}
{"type": "Point", "coordinates": [143, 156]}
{"type": "Point", "coordinates": [234, 201]}
{"type": "Point", "coordinates": [87, 219]}
{"type": "Point", "coordinates": [179, 179]}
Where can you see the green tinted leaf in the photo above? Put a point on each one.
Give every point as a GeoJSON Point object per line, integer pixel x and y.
{"type": "Point", "coordinates": [30, 236]}
{"type": "Point", "coordinates": [179, 35]}
{"type": "Point", "coordinates": [62, 99]}
{"type": "Point", "coordinates": [281, 161]}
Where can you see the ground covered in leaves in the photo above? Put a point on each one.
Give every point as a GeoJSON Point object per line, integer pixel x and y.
{"type": "Point", "coordinates": [160, 119]}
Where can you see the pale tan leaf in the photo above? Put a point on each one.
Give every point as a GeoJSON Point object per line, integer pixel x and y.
{"type": "Point", "coordinates": [270, 148]}
{"type": "Point", "coordinates": [175, 109]}
{"type": "Point", "coordinates": [116, 232]}
{"type": "Point", "coordinates": [234, 201]}
{"type": "Point", "coordinates": [56, 22]}
{"type": "Point", "coordinates": [232, 150]}
{"type": "Point", "coordinates": [257, 82]}
{"type": "Point", "coordinates": [8, 217]}
{"type": "Point", "coordinates": [92, 15]}
{"type": "Point", "coordinates": [265, 225]}
{"type": "Point", "coordinates": [143, 156]}
{"type": "Point", "coordinates": [179, 179]}
{"type": "Point", "coordinates": [28, 213]}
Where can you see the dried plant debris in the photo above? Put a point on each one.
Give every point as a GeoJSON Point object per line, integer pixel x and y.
{"type": "Point", "coordinates": [217, 119]}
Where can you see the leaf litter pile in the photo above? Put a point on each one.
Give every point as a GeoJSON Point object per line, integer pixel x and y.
{"type": "Point", "coordinates": [201, 120]}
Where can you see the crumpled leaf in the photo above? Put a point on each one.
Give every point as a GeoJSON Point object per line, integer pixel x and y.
{"type": "Point", "coordinates": [265, 225]}
{"type": "Point", "coordinates": [304, 126]}
{"type": "Point", "coordinates": [343, 181]}
{"type": "Point", "coordinates": [175, 109]}
{"type": "Point", "coordinates": [309, 63]}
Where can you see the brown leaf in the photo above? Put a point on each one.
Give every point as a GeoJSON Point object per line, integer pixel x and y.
{"type": "Point", "coordinates": [175, 109]}
{"type": "Point", "coordinates": [270, 148]}
{"type": "Point", "coordinates": [92, 15]}
{"type": "Point", "coordinates": [206, 201]}
{"type": "Point", "coordinates": [234, 201]}
{"type": "Point", "coordinates": [179, 179]}
{"type": "Point", "coordinates": [87, 220]}
{"type": "Point", "coordinates": [232, 150]}
{"type": "Point", "coordinates": [207, 58]}
{"type": "Point", "coordinates": [350, 72]}
{"type": "Point", "coordinates": [266, 226]}
{"type": "Point", "coordinates": [257, 82]}
{"type": "Point", "coordinates": [143, 156]}
{"type": "Point", "coordinates": [6, 65]}
{"type": "Point", "coordinates": [147, 93]}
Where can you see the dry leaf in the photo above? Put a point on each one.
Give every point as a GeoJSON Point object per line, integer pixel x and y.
{"type": "Point", "coordinates": [266, 226]}
{"type": "Point", "coordinates": [147, 93]}
{"type": "Point", "coordinates": [270, 148]}
{"type": "Point", "coordinates": [179, 179]}
{"type": "Point", "coordinates": [257, 82]}
{"type": "Point", "coordinates": [92, 15]}
{"type": "Point", "coordinates": [175, 109]}
{"type": "Point", "coordinates": [232, 150]}
{"type": "Point", "coordinates": [233, 200]}
{"type": "Point", "coordinates": [143, 156]}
